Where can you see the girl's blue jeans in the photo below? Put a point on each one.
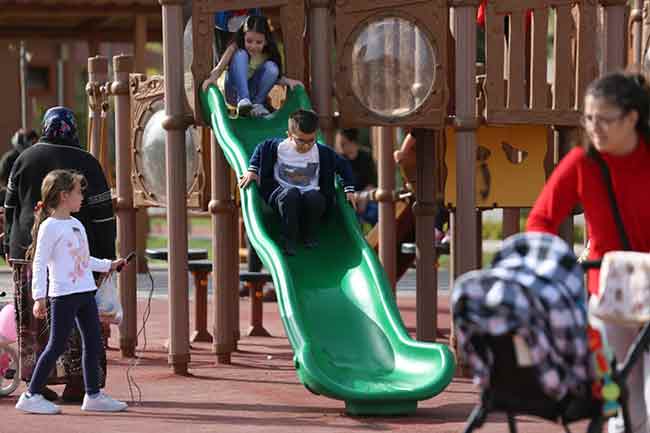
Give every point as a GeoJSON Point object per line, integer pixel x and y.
{"type": "Point", "coordinates": [238, 86]}
{"type": "Point", "coordinates": [65, 311]}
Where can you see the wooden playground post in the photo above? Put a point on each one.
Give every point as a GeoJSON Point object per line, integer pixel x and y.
{"type": "Point", "coordinates": [175, 124]}
{"type": "Point", "coordinates": [97, 77]}
{"type": "Point", "coordinates": [636, 18]}
{"type": "Point", "coordinates": [510, 221]}
{"type": "Point", "coordinates": [463, 222]}
{"type": "Point", "coordinates": [424, 209]}
{"type": "Point", "coordinates": [225, 256]}
{"type": "Point", "coordinates": [126, 282]}
{"type": "Point", "coordinates": [615, 29]}
{"type": "Point", "coordinates": [466, 123]}
{"type": "Point", "coordinates": [321, 73]}
{"type": "Point", "coordinates": [563, 145]}
{"type": "Point", "coordinates": [385, 196]}
{"type": "Point", "coordinates": [141, 216]}
{"type": "Point", "coordinates": [645, 33]}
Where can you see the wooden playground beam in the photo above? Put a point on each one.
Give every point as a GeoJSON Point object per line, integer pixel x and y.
{"type": "Point", "coordinates": [424, 209]}
{"type": "Point", "coordinates": [614, 49]}
{"type": "Point", "coordinates": [107, 35]}
{"type": "Point", "coordinates": [126, 282]}
{"type": "Point", "coordinates": [175, 125]}
{"type": "Point", "coordinates": [225, 253]}
{"type": "Point", "coordinates": [77, 11]}
{"type": "Point", "coordinates": [321, 72]}
{"type": "Point", "coordinates": [385, 196]}
{"type": "Point", "coordinates": [465, 235]}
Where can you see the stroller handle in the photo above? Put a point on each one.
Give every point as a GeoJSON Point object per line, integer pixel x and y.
{"type": "Point", "coordinates": [591, 264]}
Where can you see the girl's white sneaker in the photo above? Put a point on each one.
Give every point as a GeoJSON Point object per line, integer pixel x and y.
{"type": "Point", "coordinates": [102, 403]}
{"type": "Point", "coordinates": [36, 404]}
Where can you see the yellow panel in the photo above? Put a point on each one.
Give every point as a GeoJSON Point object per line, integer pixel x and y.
{"type": "Point", "coordinates": [508, 184]}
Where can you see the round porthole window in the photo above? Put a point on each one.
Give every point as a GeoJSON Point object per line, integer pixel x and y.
{"type": "Point", "coordinates": [393, 67]}
{"type": "Point", "coordinates": [152, 156]}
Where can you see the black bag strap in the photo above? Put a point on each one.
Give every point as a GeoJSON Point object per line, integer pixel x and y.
{"type": "Point", "coordinates": [612, 198]}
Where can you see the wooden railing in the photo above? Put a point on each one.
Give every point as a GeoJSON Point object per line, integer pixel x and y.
{"type": "Point", "coordinates": [517, 59]}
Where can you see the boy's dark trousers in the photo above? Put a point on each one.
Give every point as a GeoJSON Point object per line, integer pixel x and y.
{"type": "Point", "coordinates": [299, 211]}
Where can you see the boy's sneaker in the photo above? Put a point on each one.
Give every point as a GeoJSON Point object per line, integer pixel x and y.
{"type": "Point", "coordinates": [288, 248]}
{"type": "Point", "coordinates": [102, 403]}
{"type": "Point", "coordinates": [36, 404]}
{"type": "Point", "coordinates": [259, 110]}
{"type": "Point", "coordinates": [244, 107]}
{"type": "Point", "coordinates": [311, 243]}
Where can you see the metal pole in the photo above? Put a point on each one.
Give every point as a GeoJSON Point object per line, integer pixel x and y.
{"type": "Point", "coordinates": [23, 85]}
{"type": "Point", "coordinates": [60, 76]}
{"type": "Point", "coordinates": [126, 282]}
{"type": "Point", "coordinates": [175, 125]}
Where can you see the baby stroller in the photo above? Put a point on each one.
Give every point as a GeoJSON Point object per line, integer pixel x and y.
{"type": "Point", "coordinates": [494, 311]}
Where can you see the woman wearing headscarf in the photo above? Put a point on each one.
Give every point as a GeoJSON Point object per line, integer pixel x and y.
{"type": "Point", "coordinates": [58, 148]}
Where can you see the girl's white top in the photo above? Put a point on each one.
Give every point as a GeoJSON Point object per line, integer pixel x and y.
{"type": "Point", "coordinates": [62, 249]}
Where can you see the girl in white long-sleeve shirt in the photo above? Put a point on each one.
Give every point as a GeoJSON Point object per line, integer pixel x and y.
{"type": "Point", "coordinates": [60, 253]}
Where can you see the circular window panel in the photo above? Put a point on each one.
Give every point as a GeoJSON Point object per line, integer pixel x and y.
{"type": "Point", "coordinates": [393, 67]}
{"type": "Point", "coordinates": [152, 155]}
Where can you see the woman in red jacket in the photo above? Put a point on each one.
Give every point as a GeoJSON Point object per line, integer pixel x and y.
{"type": "Point", "coordinates": [616, 122]}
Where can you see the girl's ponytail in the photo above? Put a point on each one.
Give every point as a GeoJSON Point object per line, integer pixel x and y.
{"type": "Point", "coordinates": [40, 215]}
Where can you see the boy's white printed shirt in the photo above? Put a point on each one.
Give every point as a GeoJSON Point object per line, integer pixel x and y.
{"type": "Point", "coordinates": [297, 170]}
{"type": "Point", "coordinates": [62, 249]}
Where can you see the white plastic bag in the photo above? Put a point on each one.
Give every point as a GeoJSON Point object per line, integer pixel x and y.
{"type": "Point", "coordinates": [108, 302]}
{"type": "Point", "coordinates": [624, 288]}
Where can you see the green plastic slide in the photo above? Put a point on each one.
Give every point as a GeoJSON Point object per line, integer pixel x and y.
{"type": "Point", "coordinates": [336, 304]}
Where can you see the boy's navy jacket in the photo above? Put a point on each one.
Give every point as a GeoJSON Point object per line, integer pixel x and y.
{"type": "Point", "coordinates": [266, 154]}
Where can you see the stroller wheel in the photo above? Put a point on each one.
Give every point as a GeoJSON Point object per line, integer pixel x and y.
{"type": "Point", "coordinates": [9, 377]}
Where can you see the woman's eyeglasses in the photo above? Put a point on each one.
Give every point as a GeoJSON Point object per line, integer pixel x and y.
{"type": "Point", "coordinates": [595, 119]}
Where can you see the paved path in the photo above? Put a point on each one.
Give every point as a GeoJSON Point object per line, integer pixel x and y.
{"type": "Point", "coordinates": [258, 393]}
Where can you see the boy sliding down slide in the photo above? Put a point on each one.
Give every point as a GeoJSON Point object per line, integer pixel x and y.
{"type": "Point", "coordinates": [296, 178]}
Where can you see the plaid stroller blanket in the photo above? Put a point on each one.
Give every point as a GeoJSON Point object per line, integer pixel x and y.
{"type": "Point", "coordinates": [534, 290]}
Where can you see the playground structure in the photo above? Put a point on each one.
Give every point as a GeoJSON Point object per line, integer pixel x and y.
{"type": "Point", "coordinates": [467, 123]}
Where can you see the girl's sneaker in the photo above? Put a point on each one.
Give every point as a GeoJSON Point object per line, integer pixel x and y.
{"type": "Point", "coordinates": [36, 404]}
{"type": "Point", "coordinates": [244, 107]}
{"type": "Point", "coordinates": [259, 110]}
{"type": "Point", "coordinates": [102, 403]}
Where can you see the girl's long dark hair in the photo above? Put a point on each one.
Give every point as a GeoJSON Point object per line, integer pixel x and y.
{"type": "Point", "coordinates": [260, 24]}
{"type": "Point", "coordinates": [56, 182]}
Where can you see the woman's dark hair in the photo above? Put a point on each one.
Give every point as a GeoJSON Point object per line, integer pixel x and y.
{"type": "Point", "coordinates": [351, 134]}
{"type": "Point", "coordinates": [260, 24]}
{"type": "Point", "coordinates": [627, 91]}
{"type": "Point", "coordinates": [56, 182]}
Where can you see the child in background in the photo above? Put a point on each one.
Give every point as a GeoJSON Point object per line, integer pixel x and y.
{"type": "Point", "coordinates": [60, 253]}
{"type": "Point", "coordinates": [254, 66]}
{"type": "Point", "coordinates": [296, 178]}
{"type": "Point", "coordinates": [364, 170]}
